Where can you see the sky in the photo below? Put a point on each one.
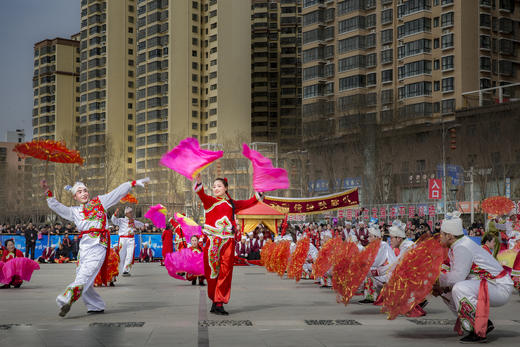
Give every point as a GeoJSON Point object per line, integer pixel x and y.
{"type": "Point", "coordinates": [22, 24]}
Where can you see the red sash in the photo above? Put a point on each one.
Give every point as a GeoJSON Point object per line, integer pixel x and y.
{"type": "Point", "coordinates": [482, 312]}
{"type": "Point", "coordinates": [126, 236]}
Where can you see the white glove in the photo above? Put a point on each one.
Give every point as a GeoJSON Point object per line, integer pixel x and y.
{"type": "Point", "coordinates": [142, 181]}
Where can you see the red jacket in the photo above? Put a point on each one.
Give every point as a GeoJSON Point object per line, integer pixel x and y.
{"type": "Point", "coordinates": [167, 242]}
{"type": "Point", "coordinates": [219, 213]}
{"type": "Point", "coordinates": [8, 256]}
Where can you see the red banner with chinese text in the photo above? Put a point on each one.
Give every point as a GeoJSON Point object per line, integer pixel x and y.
{"type": "Point", "coordinates": [321, 204]}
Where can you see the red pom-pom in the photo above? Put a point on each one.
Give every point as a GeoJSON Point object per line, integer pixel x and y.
{"type": "Point", "coordinates": [295, 267]}
{"type": "Point", "coordinates": [134, 183]}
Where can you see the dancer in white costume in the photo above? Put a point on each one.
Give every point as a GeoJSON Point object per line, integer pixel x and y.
{"type": "Point", "coordinates": [90, 219]}
{"type": "Point", "coordinates": [127, 227]}
{"type": "Point", "coordinates": [475, 281]}
{"type": "Point", "coordinates": [377, 275]}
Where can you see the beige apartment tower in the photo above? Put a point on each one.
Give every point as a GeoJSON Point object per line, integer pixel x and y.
{"type": "Point", "coordinates": [193, 79]}
{"type": "Point", "coordinates": [401, 62]}
{"type": "Point", "coordinates": [276, 72]}
{"type": "Point", "coordinates": [56, 102]}
{"type": "Point", "coordinates": [107, 92]}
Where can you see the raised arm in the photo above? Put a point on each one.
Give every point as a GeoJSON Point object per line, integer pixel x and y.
{"type": "Point", "coordinates": [242, 204]}
{"type": "Point", "coordinates": [62, 210]}
{"type": "Point", "coordinates": [110, 199]}
{"type": "Point", "coordinates": [207, 201]}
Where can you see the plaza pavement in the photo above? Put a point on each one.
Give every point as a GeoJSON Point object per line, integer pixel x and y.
{"type": "Point", "coordinates": [152, 309]}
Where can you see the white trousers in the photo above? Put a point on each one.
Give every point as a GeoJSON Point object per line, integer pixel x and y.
{"type": "Point", "coordinates": [126, 253]}
{"type": "Point", "coordinates": [462, 300]}
{"type": "Point", "coordinates": [90, 261]}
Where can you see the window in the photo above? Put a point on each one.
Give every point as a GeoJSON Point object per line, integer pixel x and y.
{"type": "Point", "coordinates": [356, 81]}
{"type": "Point", "coordinates": [415, 89]}
{"type": "Point", "coordinates": [386, 16]}
{"type": "Point", "coordinates": [485, 20]}
{"type": "Point", "coordinates": [415, 68]}
{"type": "Point", "coordinates": [447, 63]}
{"type": "Point", "coordinates": [194, 126]}
{"type": "Point", "coordinates": [413, 6]}
{"type": "Point", "coordinates": [485, 83]}
{"type": "Point", "coordinates": [354, 23]}
{"type": "Point", "coordinates": [371, 21]}
{"type": "Point", "coordinates": [355, 62]}
{"type": "Point", "coordinates": [448, 106]}
{"type": "Point", "coordinates": [371, 79]}
{"type": "Point", "coordinates": [415, 26]}
{"type": "Point", "coordinates": [350, 44]}
{"type": "Point", "coordinates": [447, 41]}
{"type": "Point", "coordinates": [485, 63]}
{"type": "Point", "coordinates": [415, 47]}
{"type": "Point", "coordinates": [387, 36]}
{"type": "Point", "coordinates": [447, 19]}
{"type": "Point", "coordinates": [448, 84]}
{"type": "Point", "coordinates": [387, 75]}
{"type": "Point", "coordinates": [371, 60]}
{"type": "Point", "coordinates": [485, 42]}
{"type": "Point", "coordinates": [436, 86]}
{"type": "Point", "coordinates": [436, 64]}
{"type": "Point", "coordinates": [387, 56]}
{"type": "Point", "coordinates": [387, 96]}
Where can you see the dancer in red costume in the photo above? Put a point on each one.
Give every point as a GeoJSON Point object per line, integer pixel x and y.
{"type": "Point", "coordinates": [220, 228]}
{"type": "Point", "coordinates": [167, 243]}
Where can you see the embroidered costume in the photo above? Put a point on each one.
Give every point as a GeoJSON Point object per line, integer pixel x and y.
{"type": "Point", "coordinates": [219, 251]}
{"type": "Point", "coordinates": [91, 221]}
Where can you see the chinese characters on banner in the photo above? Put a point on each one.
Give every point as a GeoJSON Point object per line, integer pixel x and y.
{"type": "Point", "coordinates": [434, 188]}
{"type": "Point", "coordinates": [349, 214]}
{"type": "Point", "coordinates": [431, 210]}
{"type": "Point", "coordinates": [365, 213]}
{"type": "Point", "coordinates": [374, 212]}
{"type": "Point", "coordinates": [382, 212]}
{"type": "Point", "coordinates": [340, 214]}
{"type": "Point", "coordinates": [411, 211]}
{"type": "Point", "coordinates": [402, 210]}
{"type": "Point", "coordinates": [422, 211]}
{"type": "Point", "coordinates": [393, 212]}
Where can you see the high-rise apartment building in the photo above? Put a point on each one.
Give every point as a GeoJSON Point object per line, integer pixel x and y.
{"type": "Point", "coordinates": [107, 92]}
{"type": "Point", "coordinates": [276, 72]}
{"type": "Point", "coordinates": [193, 78]}
{"type": "Point", "coordinates": [375, 65]}
{"type": "Point", "coordinates": [56, 102]}
{"type": "Point", "coordinates": [56, 89]}
{"type": "Point", "coordinates": [389, 62]}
